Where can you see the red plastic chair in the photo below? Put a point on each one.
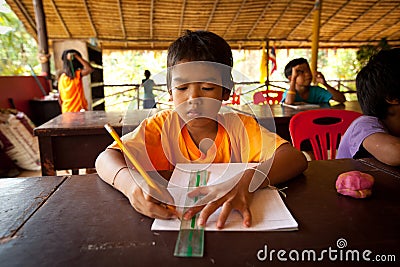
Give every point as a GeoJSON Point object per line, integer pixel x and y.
{"type": "Point", "coordinates": [236, 96]}
{"type": "Point", "coordinates": [235, 99]}
{"type": "Point", "coordinates": [267, 97]}
{"type": "Point", "coordinates": [322, 127]}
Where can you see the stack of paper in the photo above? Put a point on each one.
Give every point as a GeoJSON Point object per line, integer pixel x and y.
{"type": "Point", "coordinates": [301, 105]}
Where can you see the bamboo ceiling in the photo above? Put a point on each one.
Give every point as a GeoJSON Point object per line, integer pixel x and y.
{"type": "Point", "coordinates": [154, 24]}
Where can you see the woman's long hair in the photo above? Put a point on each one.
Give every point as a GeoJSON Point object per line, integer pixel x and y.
{"type": "Point", "coordinates": [70, 66]}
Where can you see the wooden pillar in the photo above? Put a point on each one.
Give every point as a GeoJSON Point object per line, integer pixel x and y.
{"type": "Point", "coordinates": [315, 38]}
{"type": "Point", "coordinates": [44, 56]}
{"type": "Point", "coordinates": [267, 64]}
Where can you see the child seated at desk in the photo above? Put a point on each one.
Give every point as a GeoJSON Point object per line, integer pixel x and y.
{"type": "Point", "coordinates": [299, 74]}
{"type": "Point", "coordinates": [377, 132]}
{"type": "Point", "coordinates": [199, 79]}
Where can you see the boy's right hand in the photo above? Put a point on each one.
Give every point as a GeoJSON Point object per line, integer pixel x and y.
{"type": "Point", "coordinates": [147, 205]}
{"type": "Point", "coordinates": [295, 73]}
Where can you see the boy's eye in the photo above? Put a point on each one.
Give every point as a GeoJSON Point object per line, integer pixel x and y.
{"type": "Point", "coordinates": [207, 88]}
{"type": "Point", "coordinates": [181, 88]}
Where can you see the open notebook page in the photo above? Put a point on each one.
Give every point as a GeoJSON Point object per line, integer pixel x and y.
{"type": "Point", "coordinates": [269, 213]}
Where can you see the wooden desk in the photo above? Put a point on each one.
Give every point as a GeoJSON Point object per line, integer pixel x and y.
{"type": "Point", "coordinates": [74, 140]}
{"type": "Point", "coordinates": [85, 222]}
{"type": "Point", "coordinates": [24, 198]}
{"type": "Point", "coordinates": [277, 118]}
{"type": "Point", "coordinates": [381, 166]}
{"type": "Point", "coordinates": [44, 110]}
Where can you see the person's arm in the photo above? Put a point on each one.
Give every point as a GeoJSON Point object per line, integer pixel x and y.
{"type": "Point", "coordinates": [87, 68]}
{"type": "Point", "coordinates": [288, 162]}
{"type": "Point", "coordinates": [112, 168]}
{"type": "Point", "coordinates": [384, 147]}
{"type": "Point", "coordinates": [291, 92]}
{"type": "Point", "coordinates": [336, 95]}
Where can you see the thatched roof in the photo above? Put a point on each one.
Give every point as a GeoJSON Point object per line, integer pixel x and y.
{"type": "Point", "coordinates": [154, 24]}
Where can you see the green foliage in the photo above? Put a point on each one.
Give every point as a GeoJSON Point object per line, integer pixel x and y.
{"type": "Point", "coordinates": [18, 49]}
{"type": "Point", "coordinates": [127, 68]}
{"type": "Point", "coordinates": [365, 52]}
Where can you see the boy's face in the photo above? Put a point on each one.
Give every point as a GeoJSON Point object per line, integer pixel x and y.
{"type": "Point", "coordinates": [196, 90]}
{"type": "Point", "coordinates": [303, 75]}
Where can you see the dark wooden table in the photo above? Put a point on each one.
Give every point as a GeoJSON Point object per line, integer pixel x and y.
{"type": "Point", "coordinates": [44, 110]}
{"type": "Point", "coordinates": [394, 170]}
{"type": "Point", "coordinates": [277, 117]}
{"type": "Point", "coordinates": [85, 222]}
{"type": "Point", "coordinates": [74, 140]}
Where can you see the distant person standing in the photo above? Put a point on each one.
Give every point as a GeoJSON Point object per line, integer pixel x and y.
{"type": "Point", "coordinates": [148, 84]}
{"type": "Point", "coordinates": [70, 86]}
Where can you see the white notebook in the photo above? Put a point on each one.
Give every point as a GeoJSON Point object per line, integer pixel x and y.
{"type": "Point", "coordinates": [269, 212]}
{"type": "Point", "coordinates": [301, 105]}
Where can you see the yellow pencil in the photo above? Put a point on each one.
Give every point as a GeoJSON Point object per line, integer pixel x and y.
{"type": "Point", "coordinates": [135, 163]}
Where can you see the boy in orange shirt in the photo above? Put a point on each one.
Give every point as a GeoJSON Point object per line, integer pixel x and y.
{"type": "Point", "coordinates": [199, 79]}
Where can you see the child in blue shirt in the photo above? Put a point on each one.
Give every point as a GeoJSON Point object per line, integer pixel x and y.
{"type": "Point", "coordinates": [299, 74]}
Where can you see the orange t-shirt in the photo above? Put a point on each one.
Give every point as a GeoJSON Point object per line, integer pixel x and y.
{"type": "Point", "coordinates": [162, 141]}
{"type": "Point", "coordinates": [71, 93]}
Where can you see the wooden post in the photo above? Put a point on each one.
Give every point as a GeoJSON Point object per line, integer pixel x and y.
{"type": "Point", "coordinates": [44, 56]}
{"type": "Point", "coordinates": [138, 97]}
{"type": "Point", "coordinates": [267, 64]}
{"type": "Point", "coordinates": [315, 39]}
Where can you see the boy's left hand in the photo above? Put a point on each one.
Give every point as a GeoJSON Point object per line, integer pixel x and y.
{"type": "Point", "coordinates": [238, 198]}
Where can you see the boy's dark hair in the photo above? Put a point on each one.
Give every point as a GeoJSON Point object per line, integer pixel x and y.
{"type": "Point", "coordinates": [293, 63]}
{"type": "Point", "coordinates": [67, 68]}
{"type": "Point", "coordinates": [201, 46]}
{"type": "Point", "coordinates": [378, 82]}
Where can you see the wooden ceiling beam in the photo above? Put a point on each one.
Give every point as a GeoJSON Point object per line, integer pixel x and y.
{"type": "Point", "coordinates": [387, 29]}
{"type": "Point", "coordinates": [182, 17]}
{"type": "Point", "coordinates": [121, 18]}
{"type": "Point", "coordinates": [393, 34]}
{"type": "Point", "coordinates": [278, 19]}
{"type": "Point", "coordinates": [376, 22]}
{"type": "Point", "coordinates": [384, 17]}
{"type": "Point", "coordinates": [332, 16]}
{"type": "Point", "coordinates": [210, 18]}
{"type": "Point", "coordinates": [60, 18]}
{"type": "Point", "coordinates": [162, 44]}
{"type": "Point", "coordinates": [234, 18]}
{"type": "Point", "coordinates": [27, 16]}
{"type": "Point", "coordinates": [260, 17]}
{"type": "Point", "coordinates": [151, 20]}
{"type": "Point", "coordinates": [90, 18]}
{"type": "Point", "coordinates": [354, 20]}
{"type": "Point", "coordinates": [301, 22]}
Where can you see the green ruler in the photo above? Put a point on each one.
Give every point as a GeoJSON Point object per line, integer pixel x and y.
{"type": "Point", "coordinates": [190, 242]}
